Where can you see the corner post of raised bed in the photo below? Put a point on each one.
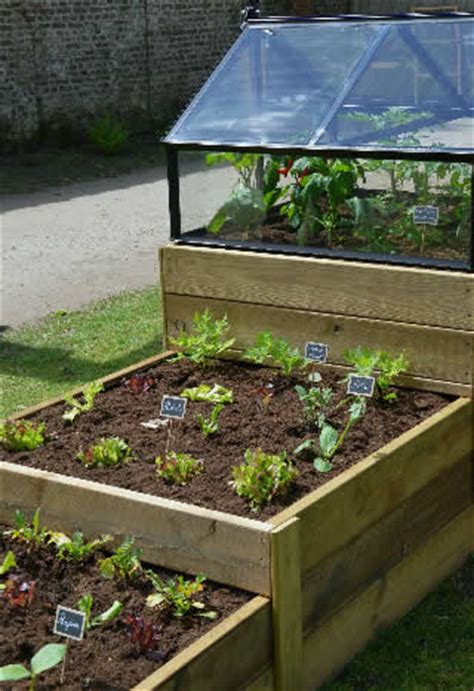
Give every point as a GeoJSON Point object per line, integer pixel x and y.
{"type": "Point", "coordinates": [286, 606]}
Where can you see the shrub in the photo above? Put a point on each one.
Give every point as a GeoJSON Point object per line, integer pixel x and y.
{"type": "Point", "coordinates": [108, 135]}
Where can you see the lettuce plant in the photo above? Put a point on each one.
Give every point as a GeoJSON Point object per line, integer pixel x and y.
{"type": "Point", "coordinates": [22, 435]}
{"type": "Point", "coordinates": [89, 394]}
{"type": "Point", "coordinates": [108, 453]}
{"type": "Point", "coordinates": [178, 594]}
{"type": "Point", "coordinates": [124, 563]}
{"type": "Point", "coordinates": [178, 468]}
{"type": "Point", "coordinates": [275, 351]}
{"type": "Point", "coordinates": [144, 635]}
{"type": "Point", "coordinates": [262, 477]}
{"type": "Point", "coordinates": [209, 394]}
{"type": "Point", "coordinates": [210, 425]}
{"type": "Point", "coordinates": [365, 361]}
{"type": "Point", "coordinates": [207, 340]}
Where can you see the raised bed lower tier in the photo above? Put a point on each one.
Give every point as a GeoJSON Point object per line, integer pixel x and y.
{"type": "Point", "coordinates": [345, 560]}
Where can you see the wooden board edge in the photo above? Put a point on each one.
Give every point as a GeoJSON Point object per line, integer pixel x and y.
{"type": "Point", "coordinates": [203, 645]}
{"type": "Point", "coordinates": [369, 461]}
{"type": "Point", "coordinates": [164, 310]}
{"type": "Point", "coordinates": [107, 379]}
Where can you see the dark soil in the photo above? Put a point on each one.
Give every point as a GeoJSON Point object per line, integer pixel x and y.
{"type": "Point", "coordinates": [244, 424]}
{"type": "Point", "coordinates": [105, 658]}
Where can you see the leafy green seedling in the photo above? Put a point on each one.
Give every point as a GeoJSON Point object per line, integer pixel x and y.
{"type": "Point", "coordinates": [316, 402]}
{"type": "Point", "coordinates": [178, 594]}
{"type": "Point", "coordinates": [108, 453]}
{"type": "Point", "coordinates": [8, 563]}
{"type": "Point", "coordinates": [210, 426]}
{"type": "Point", "coordinates": [89, 394]}
{"type": "Point", "coordinates": [209, 394]}
{"type": "Point", "coordinates": [22, 435]}
{"type": "Point", "coordinates": [365, 361]}
{"type": "Point", "coordinates": [31, 533]}
{"type": "Point", "coordinates": [49, 656]}
{"type": "Point", "coordinates": [178, 468]}
{"type": "Point", "coordinates": [75, 548]}
{"type": "Point", "coordinates": [262, 477]}
{"type": "Point", "coordinates": [330, 439]}
{"type": "Point", "coordinates": [206, 342]}
{"type": "Point", "coordinates": [85, 604]}
{"type": "Point", "coordinates": [124, 563]}
{"type": "Point", "coordinates": [275, 351]}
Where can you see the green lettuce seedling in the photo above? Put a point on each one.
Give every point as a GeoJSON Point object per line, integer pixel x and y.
{"type": "Point", "coordinates": [207, 340]}
{"type": "Point", "coordinates": [179, 595]}
{"type": "Point", "coordinates": [275, 351]}
{"type": "Point", "coordinates": [108, 453]}
{"type": "Point", "coordinates": [210, 425]}
{"type": "Point", "coordinates": [85, 604]}
{"type": "Point", "coordinates": [31, 533]}
{"type": "Point", "coordinates": [22, 435]}
{"type": "Point", "coordinates": [178, 468]}
{"type": "Point", "coordinates": [89, 394]}
{"type": "Point", "coordinates": [365, 361]}
{"type": "Point", "coordinates": [49, 656]}
{"type": "Point", "coordinates": [8, 563]}
{"type": "Point", "coordinates": [262, 477]}
{"type": "Point", "coordinates": [209, 394]}
{"type": "Point", "coordinates": [124, 563]}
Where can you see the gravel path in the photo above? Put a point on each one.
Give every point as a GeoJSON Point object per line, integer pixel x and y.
{"type": "Point", "coordinates": [66, 247]}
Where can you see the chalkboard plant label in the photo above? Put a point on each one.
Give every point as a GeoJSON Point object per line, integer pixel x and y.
{"type": "Point", "coordinates": [428, 215]}
{"type": "Point", "coordinates": [69, 623]}
{"type": "Point", "coordinates": [173, 407]}
{"type": "Point", "coordinates": [317, 352]}
{"type": "Point", "coordinates": [359, 385]}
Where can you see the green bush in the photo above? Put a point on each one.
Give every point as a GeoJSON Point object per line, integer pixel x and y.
{"type": "Point", "coordinates": [108, 135]}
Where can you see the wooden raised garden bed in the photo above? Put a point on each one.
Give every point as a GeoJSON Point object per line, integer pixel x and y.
{"type": "Point", "coordinates": [348, 558]}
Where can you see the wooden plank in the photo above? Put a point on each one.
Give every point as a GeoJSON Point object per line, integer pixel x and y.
{"type": "Point", "coordinates": [286, 606]}
{"type": "Point", "coordinates": [349, 570]}
{"type": "Point", "coordinates": [432, 352]}
{"type": "Point", "coordinates": [225, 658]}
{"type": "Point", "coordinates": [401, 294]}
{"type": "Point", "coordinates": [338, 511]}
{"type": "Point", "coordinates": [228, 549]}
{"type": "Point", "coordinates": [333, 644]}
{"type": "Point", "coordinates": [107, 380]}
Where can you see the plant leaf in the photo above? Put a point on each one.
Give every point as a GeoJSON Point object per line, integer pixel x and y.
{"type": "Point", "coordinates": [155, 599]}
{"type": "Point", "coordinates": [109, 615]}
{"type": "Point", "coordinates": [328, 439]}
{"type": "Point", "coordinates": [321, 465]}
{"type": "Point", "coordinates": [306, 444]}
{"type": "Point", "coordinates": [14, 673]}
{"type": "Point", "coordinates": [48, 656]}
{"type": "Point", "coordinates": [8, 563]}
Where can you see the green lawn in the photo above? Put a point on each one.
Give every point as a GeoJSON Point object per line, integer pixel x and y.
{"type": "Point", "coordinates": [432, 648]}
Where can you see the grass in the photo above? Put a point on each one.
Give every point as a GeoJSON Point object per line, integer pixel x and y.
{"type": "Point", "coordinates": [430, 649]}
{"type": "Point", "coordinates": [68, 349]}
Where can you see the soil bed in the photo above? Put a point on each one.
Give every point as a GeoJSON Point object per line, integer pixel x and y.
{"type": "Point", "coordinates": [243, 424]}
{"type": "Point", "coordinates": [105, 659]}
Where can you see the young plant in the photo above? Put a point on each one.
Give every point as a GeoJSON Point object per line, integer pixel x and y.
{"type": "Point", "coordinates": [207, 340]}
{"type": "Point", "coordinates": [178, 468]}
{"type": "Point", "coordinates": [144, 636]}
{"type": "Point", "coordinates": [22, 435]}
{"type": "Point", "coordinates": [316, 403]}
{"type": "Point", "coordinates": [75, 548]}
{"type": "Point", "coordinates": [124, 563]}
{"type": "Point", "coordinates": [85, 604]}
{"type": "Point", "coordinates": [264, 395]}
{"type": "Point", "coordinates": [330, 439]}
{"type": "Point", "coordinates": [211, 425]}
{"type": "Point", "coordinates": [78, 407]}
{"type": "Point", "coordinates": [209, 394]}
{"type": "Point", "coordinates": [365, 361]}
{"type": "Point", "coordinates": [18, 592]}
{"type": "Point", "coordinates": [108, 453]}
{"type": "Point", "coordinates": [178, 594]}
{"type": "Point", "coordinates": [108, 135]}
{"type": "Point", "coordinates": [31, 533]}
{"type": "Point", "coordinates": [49, 656]}
{"type": "Point", "coordinates": [140, 383]}
{"type": "Point", "coordinates": [276, 350]}
{"type": "Point", "coordinates": [8, 563]}
{"type": "Point", "coordinates": [262, 477]}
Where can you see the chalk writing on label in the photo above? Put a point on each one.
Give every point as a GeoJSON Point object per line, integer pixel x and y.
{"type": "Point", "coordinates": [173, 406]}
{"type": "Point", "coordinates": [318, 352]}
{"type": "Point", "coordinates": [69, 623]}
{"type": "Point", "coordinates": [426, 215]}
{"type": "Point", "coordinates": [360, 386]}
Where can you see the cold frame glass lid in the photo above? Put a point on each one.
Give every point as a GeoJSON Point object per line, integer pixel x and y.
{"type": "Point", "coordinates": [388, 84]}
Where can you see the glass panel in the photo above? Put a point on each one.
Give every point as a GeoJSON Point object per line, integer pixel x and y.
{"type": "Point", "coordinates": [376, 83]}
{"type": "Point", "coordinates": [403, 210]}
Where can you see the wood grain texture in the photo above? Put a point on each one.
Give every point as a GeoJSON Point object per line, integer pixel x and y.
{"type": "Point", "coordinates": [333, 644]}
{"type": "Point", "coordinates": [341, 509]}
{"type": "Point", "coordinates": [224, 659]}
{"type": "Point", "coordinates": [378, 548]}
{"type": "Point", "coordinates": [433, 352]}
{"type": "Point", "coordinates": [227, 549]}
{"type": "Point", "coordinates": [401, 294]}
{"type": "Point", "coordinates": [286, 606]}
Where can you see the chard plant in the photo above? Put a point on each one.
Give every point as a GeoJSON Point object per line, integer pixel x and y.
{"type": "Point", "coordinates": [210, 426]}
{"type": "Point", "coordinates": [366, 361]}
{"type": "Point", "coordinates": [85, 605]}
{"type": "Point", "coordinates": [76, 548]}
{"type": "Point", "coordinates": [110, 452]}
{"type": "Point", "coordinates": [179, 595]}
{"type": "Point", "coordinates": [178, 468]}
{"type": "Point", "coordinates": [49, 656]}
{"type": "Point", "coordinates": [30, 533]}
{"type": "Point", "coordinates": [262, 477]}
{"type": "Point", "coordinates": [124, 563]}
{"type": "Point", "coordinates": [22, 435]}
{"type": "Point", "coordinates": [77, 407]}
{"type": "Point", "coordinates": [207, 341]}
{"type": "Point", "coordinates": [209, 394]}
{"type": "Point", "coordinates": [330, 439]}
{"type": "Point", "coordinates": [275, 351]}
